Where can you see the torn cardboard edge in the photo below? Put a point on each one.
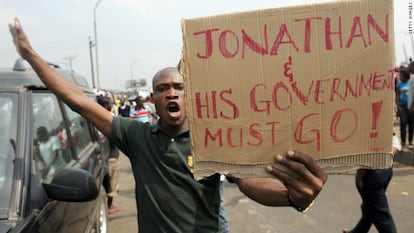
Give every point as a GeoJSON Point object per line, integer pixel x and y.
{"type": "Point", "coordinates": [337, 164]}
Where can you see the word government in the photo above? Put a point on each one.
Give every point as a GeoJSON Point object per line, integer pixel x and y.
{"type": "Point", "coordinates": [319, 92]}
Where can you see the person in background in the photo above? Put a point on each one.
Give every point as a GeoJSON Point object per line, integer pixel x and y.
{"type": "Point", "coordinates": [142, 112]}
{"type": "Point", "coordinates": [410, 101]}
{"type": "Point", "coordinates": [168, 197]}
{"type": "Point", "coordinates": [113, 163]}
{"type": "Point", "coordinates": [396, 81]}
{"type": "Point", "coordinates": [63, 137]}
{"type": "Point", "coordinates": [50, 150]}
{"type": "Point", "coordinates": [124, 110]}
{"type": "Point", "coordinates": [372, 186]}
{"type": "Point", "coordinates": [406, 116]}
{"type": "Point", "coordinates": [153, 117]}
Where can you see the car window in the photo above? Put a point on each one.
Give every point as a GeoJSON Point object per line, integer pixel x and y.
{"type": "Point", "coordinates": [8, 129]}
{"type": "Point", "coordinates": [51, 152]}
{"type": "Point", "coordinates": [79, 129]}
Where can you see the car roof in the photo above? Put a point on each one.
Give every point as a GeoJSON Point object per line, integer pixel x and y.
{"type": "Point", "coordinates": [21, 76]}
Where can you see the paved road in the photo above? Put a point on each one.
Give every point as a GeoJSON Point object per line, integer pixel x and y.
{"type": "Point", "coordinates": [126, 220]}
{"type": "Point", "coordinates": [336, 207]}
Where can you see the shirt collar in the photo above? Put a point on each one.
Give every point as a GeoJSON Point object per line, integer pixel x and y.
{"type": "Point", "coordinates": [159, 128]}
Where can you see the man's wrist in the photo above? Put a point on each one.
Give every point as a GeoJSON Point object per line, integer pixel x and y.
{"type": "Point", "coordinates": [298, 208]}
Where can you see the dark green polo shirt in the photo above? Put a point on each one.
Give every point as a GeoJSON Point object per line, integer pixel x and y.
{"type": "Point", "coordinates": [168, 198]}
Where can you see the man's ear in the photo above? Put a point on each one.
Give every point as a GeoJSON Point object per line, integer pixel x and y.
{"type": "Point", "coordinates": [152, 97]}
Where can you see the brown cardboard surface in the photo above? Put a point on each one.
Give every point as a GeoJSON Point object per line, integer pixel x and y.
{"type": "Point", "coordinates": [316, 78]}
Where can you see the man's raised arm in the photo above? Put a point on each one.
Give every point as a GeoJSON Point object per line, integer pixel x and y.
{"type": "Point", "coordinates": [65, 90]}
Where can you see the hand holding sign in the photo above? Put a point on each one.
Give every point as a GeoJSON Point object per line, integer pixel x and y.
{"type": "Point", "coordinates": [301, 175]}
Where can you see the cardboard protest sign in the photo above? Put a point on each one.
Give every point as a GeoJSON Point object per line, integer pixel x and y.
{"type": "Point", "coordinates": [316, 78]}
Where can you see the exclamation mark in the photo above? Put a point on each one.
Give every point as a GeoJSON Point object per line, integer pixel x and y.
{"type": "Point", "coordinates": [376, 109]}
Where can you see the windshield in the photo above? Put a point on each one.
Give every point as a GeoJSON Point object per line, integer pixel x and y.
{"type": "Point", "coordinates": [8, 129]}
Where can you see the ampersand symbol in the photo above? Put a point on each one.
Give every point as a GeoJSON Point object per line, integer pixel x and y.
{"type": "Point", "coordinates": [288, 71]}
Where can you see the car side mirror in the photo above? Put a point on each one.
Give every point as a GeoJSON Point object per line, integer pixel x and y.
{"type": "Point", "coordinates": [72, 185]}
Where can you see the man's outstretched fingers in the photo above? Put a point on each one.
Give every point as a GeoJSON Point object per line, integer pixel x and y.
{"type": "Point", "coordinates": [282, 165]}
{"type": "Point", "coordinates": [308, 163]}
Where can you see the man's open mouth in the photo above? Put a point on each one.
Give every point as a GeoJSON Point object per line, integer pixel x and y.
{"type": "Point", "coordinates": [173, 107]}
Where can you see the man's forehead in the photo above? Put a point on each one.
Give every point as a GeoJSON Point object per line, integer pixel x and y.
{"type": "Point", "coordinates": [169, 77]}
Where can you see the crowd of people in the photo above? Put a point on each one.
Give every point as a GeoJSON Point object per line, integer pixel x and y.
{"type": "Point", "coordinates": [138, 107]}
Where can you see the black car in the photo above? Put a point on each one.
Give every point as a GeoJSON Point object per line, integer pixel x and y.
{"type": "Point", "coordinates": [53, 165]}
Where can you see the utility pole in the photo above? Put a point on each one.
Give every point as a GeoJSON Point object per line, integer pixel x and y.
{"type": "Point", "coordinates": [96, 46]}
{"type": "Point", "coordinates": [90, 53]}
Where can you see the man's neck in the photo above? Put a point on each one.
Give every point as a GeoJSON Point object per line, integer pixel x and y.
{"type": "Point", "coordinates": [174, 131]}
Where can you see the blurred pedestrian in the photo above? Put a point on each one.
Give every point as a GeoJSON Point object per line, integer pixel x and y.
{"type": "Point", "coordinates": [51, 151]}
{"type": "Point", "coordinates": [406, 116]}
{"type": "Point", "coordinates": [113, 163]}
{"type": "Point", "coordinates": [124, 109]}
{"type": "Point", "coordinates": [396, 81]}
{"type": "Point", "coordinates": [153, 117]}
{"type": "Point", "coordinates": [142, 112]}
{"type": "Point", "coordinates": [410, 102]}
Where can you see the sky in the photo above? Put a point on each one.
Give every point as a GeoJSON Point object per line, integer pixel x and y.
{"type": "Point", "coordinates": [135, 38]}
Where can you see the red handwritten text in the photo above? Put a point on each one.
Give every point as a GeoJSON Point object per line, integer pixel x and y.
{"type": "Point", "coordinates": [219, 39]}
{"type": "Point", "coordinates": [254, 136]}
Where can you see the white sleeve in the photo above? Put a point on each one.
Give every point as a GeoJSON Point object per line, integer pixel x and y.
{"type": "Point", "coordinates": [396, 142]}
